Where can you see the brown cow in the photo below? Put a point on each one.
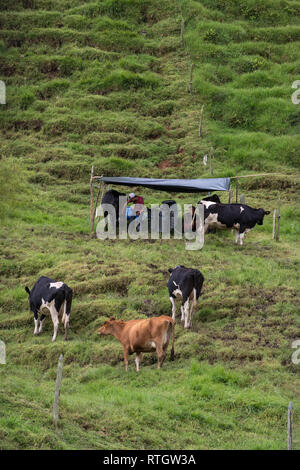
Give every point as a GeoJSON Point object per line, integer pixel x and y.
{"type": "Point", "coordinates": [144, 335]}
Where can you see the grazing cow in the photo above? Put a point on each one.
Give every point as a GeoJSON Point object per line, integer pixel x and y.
{"type": "Point", "coordinates": [112, 197]}
{"type": "Point", "coordinates": [186, 283]}
{"type": "Point", "coordinates": [138, 336]}
{"type": "Point", "coordinates": [238, 216]}
{"type": "Point", "coordinates": [56, 297]}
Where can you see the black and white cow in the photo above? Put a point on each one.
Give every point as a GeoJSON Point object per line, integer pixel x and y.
{"type": "Point", "coordinates": [56, 297]}
{"type": "Point", "coordinates": [112, 197]}
{"type": "Point", "coordinates": [238, 216]}
{"type": "Point", "coordinates": [187, 284]}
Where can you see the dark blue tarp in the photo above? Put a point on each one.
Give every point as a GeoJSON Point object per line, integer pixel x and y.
{"type": "Point", "coordinates": [172, 185]}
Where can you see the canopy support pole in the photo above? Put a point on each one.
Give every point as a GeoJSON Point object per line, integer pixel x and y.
{"type": "Point", "coordinates": [96, 203]}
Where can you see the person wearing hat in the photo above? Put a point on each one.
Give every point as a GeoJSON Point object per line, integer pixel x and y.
{"type": "Point", "coordinates": [138, 201]}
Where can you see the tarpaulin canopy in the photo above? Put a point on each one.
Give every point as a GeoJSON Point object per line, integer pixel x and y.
{"type": "Point", "coordinates": [171, 185]}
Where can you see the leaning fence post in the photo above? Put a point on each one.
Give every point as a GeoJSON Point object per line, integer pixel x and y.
{"type": "Point", "coordinates": [201, 120]}
{"type": "Point", "coordinates": [278, 221]}
{"type": "Point", "coordinates": [274, 224]}
{"type": "Point", "coordinates": [230, 194]}
{"type": "Point", "coordinates": [57, 390]}
{"type": "Point", "coordinates": [236, 187]}
{"type": "Point", "coordinates": [182, 31]}
{"type": "Point", "coordinates": [211, 156]}
{"type": "Point", "coordinates": [290, 426]}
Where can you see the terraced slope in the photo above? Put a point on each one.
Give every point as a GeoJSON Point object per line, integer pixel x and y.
{"type": "Point", "coordinates": [105, 83]}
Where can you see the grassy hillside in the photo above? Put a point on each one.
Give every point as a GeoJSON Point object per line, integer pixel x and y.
{"type": "Point", "coordinates": [105, 83]}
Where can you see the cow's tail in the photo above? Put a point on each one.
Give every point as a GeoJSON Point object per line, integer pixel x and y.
{"type": "Point", "coordinates": [27, 290]}
{"type": "Point", "coordinates": [68, 303]}
{"type": "Point", "coordinates": [173, 340]}
{"type": "Point", "coordinates": [198, 283]}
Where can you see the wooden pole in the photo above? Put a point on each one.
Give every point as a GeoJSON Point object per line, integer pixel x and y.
{"type": "Point", "coordinates": [230, 195]}
{"type": "Point", "coordinates": [274, 224]}
{"type": "Point", "coordinates": [191, 78]}
{"type": "Point", "coordinates": [290, 426]}
{"type": "Point", "coordinates": [278, 220]}
{"type": "Point", "coordinates": [182, 31]}
{"type": "Point", "coordinates": [200, 123]}
{"type": "Point", "coordinates": [95, 208]}
{"type": "Point", "coordinates": [211, 156]}
{"type": "Point", "coordinates": [236, 187]}
{"type": "Point", "coordinates": [91, 195]}
{"type": "Point", "coordinates": [57, 390]}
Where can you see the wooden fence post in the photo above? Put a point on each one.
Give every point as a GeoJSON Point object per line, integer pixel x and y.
{"type": "Point", "coordinates": [278, 221]}
{"type": "Point", "coordinates": [182, 31]}
{"type": "Point", "coordinates": [201, 119]}
{"type": "Point", "coordinates": [274, 224]}
{"type": "Point", "coordinates": [290, 426]}
{"type": "Point", "coordinates": [211, 156]}
{"type": "Point", "coordinates": [57, 390]}
{"type": "Point", "coordinates": [230, 194]}
{"type": "Point", "coordinates": [91, 195]}
{"type": "Point", "coordinates": [236, 187]}
{"type": "Point", "coordinates": [191, 78]}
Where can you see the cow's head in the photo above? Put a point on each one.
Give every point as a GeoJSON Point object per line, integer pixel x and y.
{"type": "Point", "coordinates": [107, 328]}
{"type": "Point", "coordinates": [261, 215]}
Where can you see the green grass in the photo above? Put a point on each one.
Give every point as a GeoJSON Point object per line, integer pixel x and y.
{"type": "Point", "coordinates": [105, 83]}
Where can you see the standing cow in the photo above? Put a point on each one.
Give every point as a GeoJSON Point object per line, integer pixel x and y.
{"type": "Point", "coordinates": [144, 335]}
{"type": "Point", "coordinates": [186, 283]}
{"type": "Point", "coordinates": [111, 197]}
{"type": "Point", "coordinates": [56, 297]}
{"type": "Point", "coordinates": [238, 216]}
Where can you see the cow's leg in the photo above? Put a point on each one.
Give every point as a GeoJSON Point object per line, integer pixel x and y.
{"type": "Point", "coordinates": [36, 322]}
{"type": "Point", "coordinates": [65, 319]}
{"type": "Point", "coordinates": [161, 354]}
{"type": "Point", "coordinates": [54, 316]}
{"type": "Point", "coordinates": [242, 238]}
{"type": "Point", "coordinates": [186, 312]}
{"type": "Point", "coordinates": [182, 313]}
{"type": "Point", "coordinates": [191, 313]}
{"type": "Point", "coordinates": [173, 308]}
{"type": "Point", "coordinates": [125, 359]}
{"type": "Point", "coordinates": [237, 236]}
{"type": "Point", "coordinates": [41, 322]}
{"type": "Point", "coordinates": [138, 360]}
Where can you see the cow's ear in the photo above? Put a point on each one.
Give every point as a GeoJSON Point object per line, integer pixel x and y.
{"type": "Point", "coordinates": [27, 290]}
{"type": "Point", "coordinates": [170, 270]}
{"type": "Point", "coordinates": [267, 212]}
{"type": "Point", "coordinates": [112, 318]}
